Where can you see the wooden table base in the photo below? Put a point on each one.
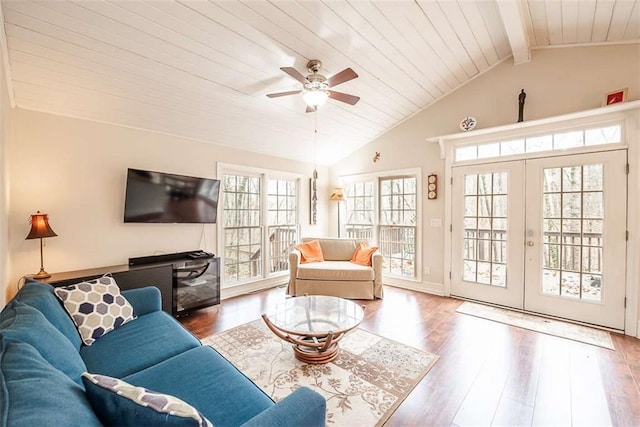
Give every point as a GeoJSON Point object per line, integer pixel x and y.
{"type": "Point", "coordinates": [317, 349]}
{"type": "Point", "coordinates": [316, 356]}
{"type": "Point", "coordinates": [310, 346]}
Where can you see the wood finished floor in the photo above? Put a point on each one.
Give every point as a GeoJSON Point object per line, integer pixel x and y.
{"type": "Point", "coordinates": [488, 373]}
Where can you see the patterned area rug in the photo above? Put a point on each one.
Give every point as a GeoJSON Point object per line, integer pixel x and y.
{"type": "Point", "coordinates": [363, 386]}
{"type": "Point", "coordinates": [539, 324]}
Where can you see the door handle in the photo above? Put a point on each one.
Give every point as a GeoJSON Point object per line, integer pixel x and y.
{"type": "Point", "coordinates": [530, 243]}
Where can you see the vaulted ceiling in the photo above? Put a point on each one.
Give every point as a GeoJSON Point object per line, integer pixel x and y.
{"type": "Point", "coordinates": [201, 69]}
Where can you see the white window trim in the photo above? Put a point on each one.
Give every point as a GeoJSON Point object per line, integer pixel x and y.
{"type": "Point", "coordinates": [417, 172]}
{"type": "Point", "coordinates": [264, 174]}
{"type": "Point", "coordinates": [628, 114]}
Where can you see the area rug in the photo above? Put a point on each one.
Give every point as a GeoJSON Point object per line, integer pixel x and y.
{"type": "Point", "coordinates": [539, 324]}
{"type": "Point", "coordinates": [363, 386]}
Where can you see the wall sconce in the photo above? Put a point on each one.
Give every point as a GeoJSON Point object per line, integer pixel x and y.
{"type": "Point", "coordinates": [40, 229]}
{"type": "Point", "coordinates": [376, 157]}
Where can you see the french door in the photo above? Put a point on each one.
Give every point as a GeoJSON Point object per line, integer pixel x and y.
{"type": "Point", "coordinates": [544, 235]}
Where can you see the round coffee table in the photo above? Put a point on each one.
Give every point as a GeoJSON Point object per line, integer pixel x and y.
{"type": "Point", "coordinates": [314, 324]}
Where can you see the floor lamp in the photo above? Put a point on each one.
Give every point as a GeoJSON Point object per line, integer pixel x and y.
{"type": "Point", "coordinates": [40, 229]}
{"type": "Point", "coordinates": [337, 195]}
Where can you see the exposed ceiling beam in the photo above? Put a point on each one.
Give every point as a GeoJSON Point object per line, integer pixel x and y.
{"type": "Point", "coordinates": [513, 13]}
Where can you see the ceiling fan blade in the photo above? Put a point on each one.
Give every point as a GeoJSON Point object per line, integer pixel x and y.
{"type": "Point", "coordinates": [344, 97]}
{"type": "Point", "coordinates": [310, 109]}
{"type": "Point", "coordinates": [343, 76]}
{"type": "Point", "coordinates": [276, 95]}
{"type": "Point", "coordinates": [295, 74]}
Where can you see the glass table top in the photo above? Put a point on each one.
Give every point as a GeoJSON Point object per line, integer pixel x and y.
{"type": "Point", "coordinates": [316, 314]}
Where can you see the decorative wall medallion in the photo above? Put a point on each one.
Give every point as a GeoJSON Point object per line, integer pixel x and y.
{"type": "Point", "coordinates": [468, 123]}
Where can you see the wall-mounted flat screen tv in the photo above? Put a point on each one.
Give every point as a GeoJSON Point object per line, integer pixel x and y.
{"type": "Point", "coordinates": [168, 198]}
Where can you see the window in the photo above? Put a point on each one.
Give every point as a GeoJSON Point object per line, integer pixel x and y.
{"type": "Point", "coordinates": [282, 215]}
{"type": "Point", "coordinates": [397, 234]}
{"type": "Point", "coordinates": [242, 228]}
{"type": "Point", "coordinates": [392, 222]}
{"type": "Point", "coordinates": [259, 224]}
{"type": "Point", "coordinates": [533, 144]}
{"type": "Point", "coordinates": [360, 209]}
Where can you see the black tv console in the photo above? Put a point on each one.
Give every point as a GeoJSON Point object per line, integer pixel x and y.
{"type": "Point", "coordinates": [195, 278]}
{"type": "Point", "coordinates": [127, 277]}
{"type": "Point", "coordinates": [168, 258]}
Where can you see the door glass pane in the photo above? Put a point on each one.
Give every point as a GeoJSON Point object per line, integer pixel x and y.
{"type": "Point", "coordinates": [571, 205]}
{"type": "Point", "coordinates": [592, 177]}
{"type": "Point", "coordinates": [470, 185]}
{"type": "Point", "coordinates": [499, 276]}
{"type": "Point", "coordinates": [500, 183]}
{"type": "Point", "coordinates": [485, 234]}
{"type": "Point", "coordinates": [572, 178]}
{"type": "Point", "coordinates": [551, 206]}
{"type": "Point", "coordinates": [469, 271]}
{"type": "Point", "coordinates": [484, 205]}
{"type": "Point", "coordinates": [552, 180]}
{"type": "Point", "coordinates": [572, 231]}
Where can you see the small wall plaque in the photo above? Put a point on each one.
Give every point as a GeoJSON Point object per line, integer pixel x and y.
{"type": "Point", "coordinates": [432, 187]}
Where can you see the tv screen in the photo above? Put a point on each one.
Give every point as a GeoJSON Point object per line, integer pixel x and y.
{"type": "Point", "coordinates": [168, 198]}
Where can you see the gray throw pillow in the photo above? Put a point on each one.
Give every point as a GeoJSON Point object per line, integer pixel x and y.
{"type": "Point", "coordinates": [96, 307]}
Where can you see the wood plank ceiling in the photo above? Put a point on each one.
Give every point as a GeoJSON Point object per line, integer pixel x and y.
{"type": "Point", "coordinates": [201, 69]}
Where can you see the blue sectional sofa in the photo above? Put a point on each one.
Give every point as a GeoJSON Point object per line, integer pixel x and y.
{"type": "Point", "coordinates": [42, 359]}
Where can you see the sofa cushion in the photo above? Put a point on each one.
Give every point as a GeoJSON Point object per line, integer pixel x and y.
{"type": "Point", "coordinates": [338, 249]}
{"type": "Point", "coordinates": [30, 326]}
{"type": "Point", "coordinates": [334, 270]}
{"type": "Point", "coordinates": [202, 376]}
{"type": "Point", "coordinates": [363, 254]}
{"type": "Point", "coordinates": [34, 393]}
{"type": "Point", "coordinates": [41, 297]}
{"type": "Point", "coordinates": [137, 345]}
{"type": "Point", "coordinates": [96, 307]}
{"type": "Point", "coordinates": [310, 252]}
{"type": "Point", "coordinates": [119, 403]}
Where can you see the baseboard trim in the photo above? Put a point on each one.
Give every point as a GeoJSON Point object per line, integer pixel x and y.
{"type": "Point", "coordinates": [248, 288]}
{"type": "Point", "coordinates": [425, 287]}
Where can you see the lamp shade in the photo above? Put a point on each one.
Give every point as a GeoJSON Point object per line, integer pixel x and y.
{"type": "Point", "coordinates": [337, 195]}
{"type": "Point", "coordinates": [40, 227]}
{"type": "Point", "coordinates": [315, 97]}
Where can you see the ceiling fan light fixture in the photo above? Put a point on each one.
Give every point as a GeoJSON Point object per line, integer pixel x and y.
{"type": "Point", "coordinates": [315, 97]}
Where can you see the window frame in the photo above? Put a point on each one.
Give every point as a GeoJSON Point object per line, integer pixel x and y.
{"type": "Point", "coordinates": [376, 178]}
{"type": "Point", "coordinates": [265, 175]}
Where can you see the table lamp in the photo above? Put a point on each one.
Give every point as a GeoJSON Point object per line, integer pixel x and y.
{"type": "Point", "coordinates": [337, 195]}
{"type": "Point", "coordinates": [40, 229]}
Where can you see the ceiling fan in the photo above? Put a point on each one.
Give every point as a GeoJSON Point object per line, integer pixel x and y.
{"type": "Point", "coordinates": [317, 88]}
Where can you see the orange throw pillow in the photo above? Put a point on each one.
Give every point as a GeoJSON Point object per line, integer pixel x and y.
{"type": "Point", "coordinates": [310, 252]}
{"type": "Point", "coordinates": [363, 253]}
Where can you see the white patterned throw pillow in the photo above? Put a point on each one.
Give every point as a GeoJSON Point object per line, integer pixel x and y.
{"type": "Point", "coordinates": [96, 307]}
{"type": "Point", "coordinates": [117, 402]}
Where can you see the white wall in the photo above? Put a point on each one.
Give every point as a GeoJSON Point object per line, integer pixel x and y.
{"type": "Point", "coordinates": [75, 171]}
{"type": "Point", "coordinates": [5, 112]}
{"type": "Point", "coordinates": [557, 81]}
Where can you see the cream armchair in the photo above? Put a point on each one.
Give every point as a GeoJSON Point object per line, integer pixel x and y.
{"type": "Point", "coordinates": [336, 275]}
